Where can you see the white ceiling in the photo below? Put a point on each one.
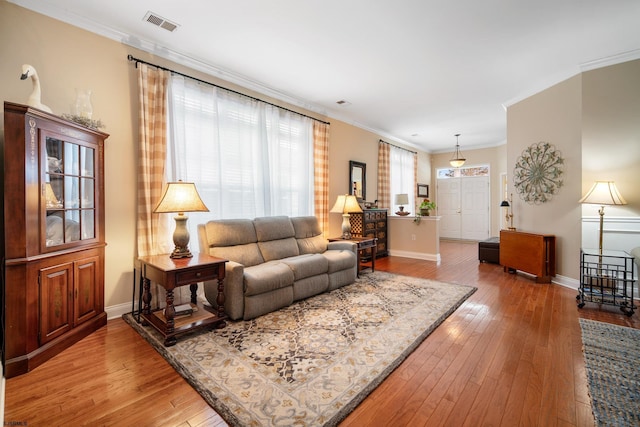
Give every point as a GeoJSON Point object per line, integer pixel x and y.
{"type": "Point", "coordinates": [413, 71]}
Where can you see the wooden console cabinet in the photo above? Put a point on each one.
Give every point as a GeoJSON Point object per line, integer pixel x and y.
{"type": "Point", "coordinates": [532, 253]}
{"type": "Point", "coordinates": [371, 223]}
{"type": "Point", "coordinates": [53, 235]}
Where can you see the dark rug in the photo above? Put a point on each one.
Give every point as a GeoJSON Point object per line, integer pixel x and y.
{"type": "Point", "coordinates": [612, 358]}
{"type": "Point", "coordinates": [312, 363]}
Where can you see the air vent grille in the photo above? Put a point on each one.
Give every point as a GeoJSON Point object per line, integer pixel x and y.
{"type": "Point", "coordinates": [161, 22]}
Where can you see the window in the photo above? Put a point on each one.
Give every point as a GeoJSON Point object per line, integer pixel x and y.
{"type": "Point", "coordinates": [402, 176]}
{"type": "Point", "coordinates": [247, 158]}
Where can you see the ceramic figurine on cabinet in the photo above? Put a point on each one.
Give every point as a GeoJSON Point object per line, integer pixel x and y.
{"type": "Point", "coordinates": [34, 98]}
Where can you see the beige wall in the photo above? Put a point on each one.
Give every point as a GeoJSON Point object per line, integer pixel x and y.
{"type": "Point", "coordinates": [593, 119]}
{"type": "Point", "coordinates": [552, 116]}
{"type": "Point", "coordinates": [611, 134]}
{"type": "Point", "coordinates": [67, 58]}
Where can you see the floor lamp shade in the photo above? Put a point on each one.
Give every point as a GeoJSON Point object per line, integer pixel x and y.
{"type": "Point", "coordinates": [346, 203]}
{"type": "Point", "coordinates": [180, 197]}
{"type": "Point", "coordinates": [603, 193]}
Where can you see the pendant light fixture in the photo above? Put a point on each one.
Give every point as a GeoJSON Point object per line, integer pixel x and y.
{"type": "Point", "coordinates": [457, 160]}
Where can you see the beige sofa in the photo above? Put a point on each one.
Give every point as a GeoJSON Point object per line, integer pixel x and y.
{"type": "Point", "coordinates": [274, 261]}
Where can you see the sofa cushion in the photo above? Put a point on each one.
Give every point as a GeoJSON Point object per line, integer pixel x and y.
{"type": "Point", "coordinates": [266, 277]}
{"type": "Point", "coordinates": [310, 286]}
{"type": "Point", "coordinates": [278, 249]}
{"type": "Point", "coordinates": [306, 226]}
{"type": "Point", "coordinates": [304, 266]}
{"type": "Point", "coordinates": [312, 245]}
{"type": "Point", "coordinates": [246, 255]}
{"type": "Point", "coordinates": [339, 260]}
{"type": "Point", "coordinates": [257, 305]}
{"type": "Point", "coordinates": [230, 232]}
{"type": "Point", "coordinates": [273, 228]}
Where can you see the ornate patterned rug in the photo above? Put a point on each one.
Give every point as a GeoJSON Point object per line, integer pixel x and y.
{"type": "Point", "coordinates": [612, 359]}
{"type": "Point", "coordinates": [312, 363]}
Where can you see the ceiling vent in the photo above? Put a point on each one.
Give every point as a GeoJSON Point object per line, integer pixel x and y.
{"type": "Point", "coordinates": [159, 21]}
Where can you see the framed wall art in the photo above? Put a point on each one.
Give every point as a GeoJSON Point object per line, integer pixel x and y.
{"type": "Point", "coordinates": [423, 190]}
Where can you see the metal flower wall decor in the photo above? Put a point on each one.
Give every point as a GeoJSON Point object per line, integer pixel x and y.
{"type": "Point", "coordinates": [538, 173]}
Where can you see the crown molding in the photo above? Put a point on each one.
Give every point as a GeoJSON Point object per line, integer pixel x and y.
{"type": "Point", "coordinates": [619, 58]}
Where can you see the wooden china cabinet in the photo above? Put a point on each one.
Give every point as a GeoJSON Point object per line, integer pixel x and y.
{"type": "Point", "coordinates": [53, 251]}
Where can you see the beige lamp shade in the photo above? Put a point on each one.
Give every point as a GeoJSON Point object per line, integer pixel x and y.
{"type": "Point", "coordinates": [346, 203]}
{"type": "Point", "coordinates": [180, 197]}
{"type": "Point", "coordinates": [603, 193]}
{"type": "Point", "coordinates": [402, 199]}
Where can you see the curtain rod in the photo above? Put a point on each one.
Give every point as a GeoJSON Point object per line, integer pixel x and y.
{"type": "Point", "coordinates": [402, 148]}
{"type": "Point", "coordinates": [137, 61]}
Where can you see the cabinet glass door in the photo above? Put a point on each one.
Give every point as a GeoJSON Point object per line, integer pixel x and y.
{"type": "Point", "coordinates": [69, 192]}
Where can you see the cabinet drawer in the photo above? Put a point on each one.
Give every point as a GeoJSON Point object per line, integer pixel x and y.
{"type": "Point", "coordinates": [369, 216]}
{"type": "Point", "coordinates": [197, 275]}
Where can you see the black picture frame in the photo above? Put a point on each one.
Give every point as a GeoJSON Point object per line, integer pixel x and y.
{"type": "Point", "coordinates": [358, 179]}
{"type": "Point", "coordinates": [423, 190]}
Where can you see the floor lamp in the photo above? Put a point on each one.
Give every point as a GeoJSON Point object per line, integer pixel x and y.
{"type": "Point", "coordinates": [603, 193]}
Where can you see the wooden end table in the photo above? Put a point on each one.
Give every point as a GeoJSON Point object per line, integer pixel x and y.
{"type": "Point", "coordinates": [171, 273]}
{"type": "Point", "coordinates": [363, 243]}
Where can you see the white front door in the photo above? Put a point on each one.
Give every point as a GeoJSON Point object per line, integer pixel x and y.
{"type": "Point", "coordinates": [464, 206]}
{"type": "Point", "coordinates": [448, 204]}
{"type": "Point", "coordinates": [475, 208]}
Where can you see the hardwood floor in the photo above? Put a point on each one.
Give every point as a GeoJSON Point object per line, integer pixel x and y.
{"type": "Point", "coordinates": [510, 355]}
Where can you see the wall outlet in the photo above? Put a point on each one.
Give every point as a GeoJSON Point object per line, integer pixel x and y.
{"type": "Point", "coordinates": [413, 237]}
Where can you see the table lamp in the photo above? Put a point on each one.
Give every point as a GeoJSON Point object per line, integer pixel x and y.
{"type": "Point", "coordinates": [401, 199]}
{"type": "Point", "coordinates": [603, 193]}
{"type": "Point", "coordinates": [344, 204]}
{"type": "Point", "coordinates": [180, 197]}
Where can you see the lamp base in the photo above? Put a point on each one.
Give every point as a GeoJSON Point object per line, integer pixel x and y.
{"type": "Point", "coordinates": [346, 227]}
{"type": "Point", "coordinates": [181, 238]}
{"type": "Point", "coordinates": [181, 253]}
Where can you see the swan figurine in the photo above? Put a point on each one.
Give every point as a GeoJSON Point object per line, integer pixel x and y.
{"type": "Point", "coordinates": [34, 98]}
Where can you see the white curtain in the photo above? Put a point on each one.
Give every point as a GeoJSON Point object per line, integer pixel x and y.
{"type": "Point", "coordinates": [402, 176]}
{"type": "Point", "coordinates": [247, 158]}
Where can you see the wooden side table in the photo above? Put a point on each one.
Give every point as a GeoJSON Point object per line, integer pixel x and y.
{"type": "Point", "coordinates": [363, 243]}
{"type": "Point", "coordinates": [172, 273]}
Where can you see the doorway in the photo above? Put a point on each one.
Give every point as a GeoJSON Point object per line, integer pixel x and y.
{"type": "Point", "coordinates": [463, 200]}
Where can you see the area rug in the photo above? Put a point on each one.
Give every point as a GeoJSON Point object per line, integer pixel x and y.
{"type": "Point", "coordinates": [312, 363]}
{"type": "Point", "coordinates": [612, 358]}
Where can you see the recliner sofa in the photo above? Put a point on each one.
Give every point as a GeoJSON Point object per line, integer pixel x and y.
{"type": "Point", "coordinates": [274, 261]}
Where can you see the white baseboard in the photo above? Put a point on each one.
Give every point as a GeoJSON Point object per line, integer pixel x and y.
{"type": "Point", "coordinates": [565, 281]}
{"type": "Point", "coordinates": [416, 255]}
{"type": "Point", "coordinates": [116, 311]}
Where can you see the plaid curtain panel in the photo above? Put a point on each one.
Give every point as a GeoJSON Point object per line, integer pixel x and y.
{"type": "Point", "coordinates": [321, 173]}
{"type": "Point", "coordinates": [152, 151]}
{"type": "Point", "coordinates": [384, 186]}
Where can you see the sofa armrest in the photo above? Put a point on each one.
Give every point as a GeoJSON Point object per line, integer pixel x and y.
{"type": "Point", "coordinates": [343, 246]}
{"type": "Point", "coordinates": [233, 290]}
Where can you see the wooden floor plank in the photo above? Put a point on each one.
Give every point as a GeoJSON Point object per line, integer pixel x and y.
{"type": "Point", "coordinates": [510, 355]}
